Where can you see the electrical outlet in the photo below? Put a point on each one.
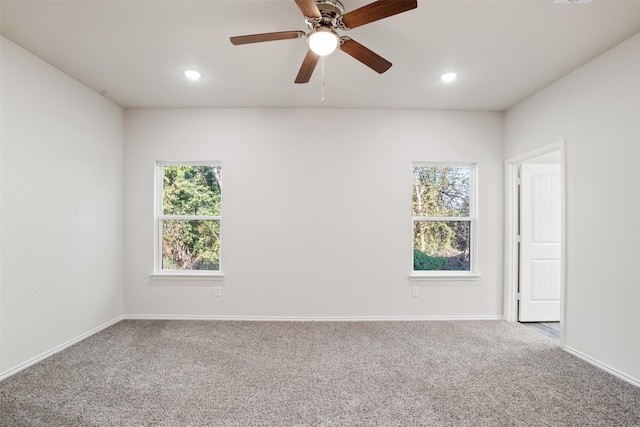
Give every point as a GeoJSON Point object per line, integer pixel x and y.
{"type": "Point", "coordinates": [416, 291]}
{"type": "Point", "coordinates": [217, 291]}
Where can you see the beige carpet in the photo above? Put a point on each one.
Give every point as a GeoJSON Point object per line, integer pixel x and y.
{"type": "Point", "coordinates": [201, 373]}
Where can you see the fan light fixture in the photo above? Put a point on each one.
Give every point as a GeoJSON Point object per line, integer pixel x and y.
{"type": "Point", "coordinates": [192, 74]}
{"type": "Point", "coordinates": [448, 77]}
{"type": "Point", "coordinates": [323, 41]}
{"type": "Point", "coordinates": [325, 19]}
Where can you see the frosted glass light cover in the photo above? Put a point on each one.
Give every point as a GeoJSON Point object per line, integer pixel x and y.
{"type": "Point", "coordinates": [448, 77]}
{"type": "Point", "coordinates": [192, 74]}
{"type": "Point", "coordinates": [323, 42]}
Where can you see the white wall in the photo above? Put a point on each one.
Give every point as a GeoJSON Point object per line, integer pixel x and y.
{"type": "Point", "coordinates": [61, 208]}
{"type": "Point", "coordinates": [597, 110]}
{"type": "Point", "coordinates": [316, 210]}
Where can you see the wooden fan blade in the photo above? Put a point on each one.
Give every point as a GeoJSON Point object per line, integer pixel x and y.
{"type": "Point", "coordinates": [377, 10]}
{"type": "Point", "coordinates": [308, 65]}
{"type": "Point", "coordinates": [364, 55]}
{"type": "Point", "coordinates": [308, 8]}
{"type": "Point", "coordinates": [266, 37]}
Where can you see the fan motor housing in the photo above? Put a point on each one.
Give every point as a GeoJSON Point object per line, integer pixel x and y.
{"type": "Point", "coordinates": [330, 10]}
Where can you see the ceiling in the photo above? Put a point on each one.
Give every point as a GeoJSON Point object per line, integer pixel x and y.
{"type": "Point", "coordinates": [134, 52]}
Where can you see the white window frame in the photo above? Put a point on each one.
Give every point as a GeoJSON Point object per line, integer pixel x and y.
{"type": "Point", "coordinates": [443, 275]}
{"type": "Point", "coordinates": [158, 272]}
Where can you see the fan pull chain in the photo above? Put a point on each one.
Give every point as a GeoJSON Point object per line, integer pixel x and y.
{"type": "Point", "coordinates": [322, 99]}
{"type": "Point", "coordinates": [333, 8]}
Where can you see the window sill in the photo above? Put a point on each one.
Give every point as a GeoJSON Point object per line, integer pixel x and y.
{"type": "Point", "coordinates": [191, 275]}
{"type": "Point", "coordinates": [419, 276]}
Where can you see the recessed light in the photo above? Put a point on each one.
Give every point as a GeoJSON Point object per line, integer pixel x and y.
{"type": "Point", "coordinates": [192, 74]}
{"type": "Point", "coordinates": [448, 77]}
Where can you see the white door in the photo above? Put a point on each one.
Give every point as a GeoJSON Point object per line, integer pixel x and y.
{"type": "Point", "coordinates": [540, 252]}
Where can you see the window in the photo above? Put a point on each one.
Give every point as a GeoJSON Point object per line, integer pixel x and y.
{"type": "Point", "coordinates": [188, 217]}
{"type": "Point", "coordinates": [443, 217]}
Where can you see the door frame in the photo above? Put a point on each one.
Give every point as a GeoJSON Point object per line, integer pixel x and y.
{"type": "Point", "coordinates": [511, 252]}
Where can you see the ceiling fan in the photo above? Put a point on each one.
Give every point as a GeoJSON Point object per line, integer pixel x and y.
{"type": "Point", "coordinates": [324, 18]}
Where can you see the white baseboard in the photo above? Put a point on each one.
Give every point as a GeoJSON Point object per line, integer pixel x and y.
{"type": "Point", "coordinates": [602, 366]}
{"type": "Point", "coordinates": [57, 349]}
{"type": "Point", "coordinates": [309, 319]}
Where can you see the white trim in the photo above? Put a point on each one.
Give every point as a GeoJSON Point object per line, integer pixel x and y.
{"type": "Point", "coordinates": [600, 365]}
{"type": "Point", "coordinates": [187, 275]}
{"type": "Point", "coordinates": [511, 233]}
{"type": "Point", "coordinates": [443, 164]}
{"type": "Point", "coordinates": [57, 349]}
{"type": "Point", "coordinates": [442, 218]}
{"type": "Point", "coordinates": [158, 176]}
{"type": "Point", "coordinates": [474, 212]}
{"type": "Point", "coordinates": [541, 151]}
{"type": "Point", "coordinates": [511, 240]}
{"type": "Point", "coordinates": [425, 276]}
{"type": "Point", "coordinates": [191, 217]}
{"type": "Point", "coordinates": [189, 162]}
{"type": "Point", "coordinates": [308, 319]}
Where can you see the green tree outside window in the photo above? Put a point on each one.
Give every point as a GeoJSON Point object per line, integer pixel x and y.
{"type": "Point", "coordinates": [441, 218]}
{"type": "Point", "coordinates": [190, 220]}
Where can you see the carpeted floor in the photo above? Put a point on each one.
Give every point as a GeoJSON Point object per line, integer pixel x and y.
{"type": "Point", "coordinates": [212, 373]}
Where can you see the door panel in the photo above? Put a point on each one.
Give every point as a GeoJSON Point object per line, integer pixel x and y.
{"type": "Point", "coordinates": [540, 234]}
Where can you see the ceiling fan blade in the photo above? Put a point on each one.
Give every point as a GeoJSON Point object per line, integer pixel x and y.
{"type": "Point", "coordinates": [266, 37]}
{"type": "Point", "coordinates": [308, 65]}
{"type": "Point", "coordinates": [364, 55]}
{"type": "Point", "coordinates": [377, 10]}
{"type": "Point", "coordinates": [308, 8]}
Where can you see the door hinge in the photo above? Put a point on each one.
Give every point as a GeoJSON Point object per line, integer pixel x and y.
{"type": "Point", "coordinates": [518, 239]}
{"type": "Point", "coordinates": [518, 296]}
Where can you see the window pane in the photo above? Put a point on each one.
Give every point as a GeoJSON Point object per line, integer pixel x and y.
{"type": "Point", "coordinates": [441, 245]}
{"type": "Point", "coordinates": [190, 245]}
{"type": "Point", "coordinates": [441, 191]}
{"type": "Point", "coordinates": [191, 190]}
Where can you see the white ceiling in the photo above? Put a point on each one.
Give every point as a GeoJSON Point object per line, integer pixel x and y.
{"type": "Point", "coordinates": [134, 52]}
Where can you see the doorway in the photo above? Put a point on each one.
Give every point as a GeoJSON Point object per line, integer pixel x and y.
{"type": "Point", "coordinates": [535, 237]}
